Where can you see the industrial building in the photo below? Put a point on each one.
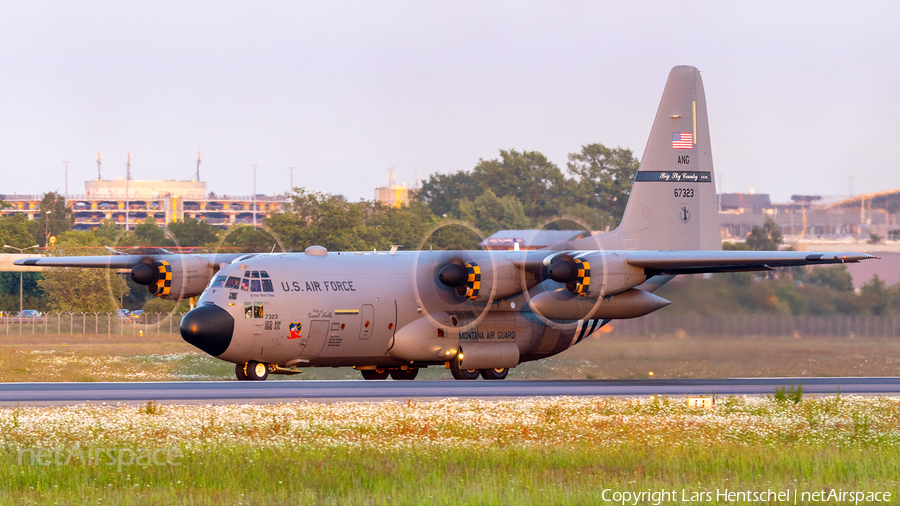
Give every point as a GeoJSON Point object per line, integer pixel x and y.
{"type": "Point", "coordinates": [132, 201]}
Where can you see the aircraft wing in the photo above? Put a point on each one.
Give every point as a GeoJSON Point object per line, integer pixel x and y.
{"type": "Point", "coordinates": [694, 262]}
{"type": "Point", "coordinates": [124, 261]}
{"type": "Point", "coordinates": [104, 261]}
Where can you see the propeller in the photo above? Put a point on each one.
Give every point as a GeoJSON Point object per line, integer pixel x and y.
{"type": "Point", "coordinates": [562, 277]}
{"type": "Point", "coordinates": [451, 278]}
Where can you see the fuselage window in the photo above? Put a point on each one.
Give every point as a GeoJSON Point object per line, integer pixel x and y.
{"type": "Point", "coordinates": [219, 282]}
{"type": "Point", "coordinates": [254, 285]}
{"type": "Point", "coordinates": [245, 284]}
{"type": "Point", "coordinates": [232, 282]}
{"type": "Point", "coordinates": [267, 285]}
{"type": "Point", "coordinates": [257, 309]}
{"type": "Point", "coordinates": [248, 310]}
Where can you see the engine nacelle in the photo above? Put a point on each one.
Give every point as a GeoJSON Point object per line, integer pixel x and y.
{"type": "Point", "coordinates": [562, 305]}
{"type": "Point", "coordinates": [485, 278]}
{"type": "Point", "coordinates": [594, 274]}
{"type": "Point", "coordinates": [177, 277]}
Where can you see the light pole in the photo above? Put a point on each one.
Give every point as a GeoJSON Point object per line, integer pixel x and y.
{"type": "Point", "coordinates": [254, 194]}
{"type": "Point", "coordinates": [47, 223]}
{"type": "Point", "coordinates": [20, 272]}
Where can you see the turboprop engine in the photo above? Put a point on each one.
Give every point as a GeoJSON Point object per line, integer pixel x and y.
{"type": "Point", "coordinates": [187, 276]}
{"type": "Point", "coordinates": [485, 278]}
{"type": "Point", "coordinates": [594, 274]}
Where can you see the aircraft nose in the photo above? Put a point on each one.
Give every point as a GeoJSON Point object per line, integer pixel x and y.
{"type": "Point", "coordinates": [208, 327]}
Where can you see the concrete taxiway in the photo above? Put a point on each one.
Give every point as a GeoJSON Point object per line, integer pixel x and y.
{"type": "Point", "coordinates": [223, 392]}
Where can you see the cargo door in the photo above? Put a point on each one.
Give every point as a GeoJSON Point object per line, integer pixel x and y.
{"type": "Point", "coordinates": [367, 321]}
{"type": "Point", "coordinates": [318, 333]}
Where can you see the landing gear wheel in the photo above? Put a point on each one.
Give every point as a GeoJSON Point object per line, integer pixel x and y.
{"type": "Point", "coordinates": [462, 374]}
{"type": "Point", "coordinates": [239, 372]}
{"type": "Point", "coordinates": [256, 371]}
{"type": "Point", "coordinates": [379, 373]}
{"type": "Point", "coordinates": [495, 374]}
{"type": "Point", "coordinates": [400, 374]}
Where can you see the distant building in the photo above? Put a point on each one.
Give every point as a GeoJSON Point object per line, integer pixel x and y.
{"type": "Point", "coordinates": [394, 195]}
{"type": "Point", "coordinates": [165, 201]}
{"type": "Point", "coordinates": [812, 217]}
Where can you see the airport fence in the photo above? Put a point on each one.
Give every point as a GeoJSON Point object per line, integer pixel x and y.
{"type": "Point", "coordinates": [760, 325]}
{"type": "Point", "coordinates": [92, 323]}
{"type": "Point", "coordinates": [647, 326]}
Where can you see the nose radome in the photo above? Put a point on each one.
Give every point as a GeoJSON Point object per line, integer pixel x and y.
{"type": "Point", "coordinates": [208, 327]}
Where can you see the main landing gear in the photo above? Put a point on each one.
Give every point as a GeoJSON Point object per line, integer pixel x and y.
{"type": "Point", "coordinates": [251, 371]}
{"type": "Point", "coordinates": [472, 374]}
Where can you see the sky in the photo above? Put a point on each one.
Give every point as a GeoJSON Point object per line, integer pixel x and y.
{"type": "Point", "coordinates": [802, 96]}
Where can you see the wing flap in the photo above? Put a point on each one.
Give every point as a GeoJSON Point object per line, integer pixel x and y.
{"type": "Point", "coordinates": [696, 262]}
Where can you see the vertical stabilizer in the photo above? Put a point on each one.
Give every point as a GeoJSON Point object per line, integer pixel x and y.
{"type": "Point", "coordinates": [673, 204]}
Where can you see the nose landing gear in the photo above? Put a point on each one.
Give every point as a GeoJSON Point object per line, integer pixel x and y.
{"type": "Point", "coordinates": [251, 371]}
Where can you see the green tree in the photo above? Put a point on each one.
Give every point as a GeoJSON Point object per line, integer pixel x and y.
{"type": "Point", "coordinates": [193, 232]}
{"type": "Point", "coordinates": [14, 232]}
{"type": "Point", "coordinates": [735, 246]}
{"type": "Point", "coordinates": [877, 296]}
{"type": "Point", "coordinates": [109, 231]}
{"type": "Point", "coordinates": [528, 177]}
{"type": "Point", "coordinates": [604, 177]}
{"type": "Point", "coordinates": [765, 238]}
{"type": "Point", "coordinates": [836, 277]}
{"type": "Point", "coordinates": [491, 213]}
{"type": "Point", "coordinates": [55, 218]}
{"type": "Point", "coordinates": [404, 226]}
{"type": "Point", "coordinates": [441, 192]}
{"type": "Point", "coordinates": [148, 233]}
{"type": "Point", "coordinates": [247, 238]}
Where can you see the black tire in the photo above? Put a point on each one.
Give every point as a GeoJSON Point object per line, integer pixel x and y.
{"type": "Point", "coordinates": [495, 374]}
{"type": "Point", "coordinates": [256, 371]}
{"type": "Point", "coordinates": [462, 374]}
{"type": "Point", "coordinates": [400, 374]}
{"type": "Point", "coordinates": [374, 374]}
{"type": "Point", "coordinates": [239, 372]}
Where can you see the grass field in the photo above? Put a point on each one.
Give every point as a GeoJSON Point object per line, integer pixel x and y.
{"type": "Point", "coordinates": [535, 451]}
{"type": "Point", "coordinates": [167, 357]}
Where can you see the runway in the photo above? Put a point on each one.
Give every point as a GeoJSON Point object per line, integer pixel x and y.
{"type": "Point", "coordinates": [235, 392]}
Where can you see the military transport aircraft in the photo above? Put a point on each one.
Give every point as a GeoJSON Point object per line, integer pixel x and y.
{"type": "Point", "coordinates": [474, 312]}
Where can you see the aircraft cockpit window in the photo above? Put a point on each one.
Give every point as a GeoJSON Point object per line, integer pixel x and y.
{"type": "Point", "coordinates": [246, 274]}
{"type": "Point", "coordinates": [254, 285]}
{"type": "Point", "coordinates": [233, 282]}
{"type": "Point", "coordinates": [267, 285]}
{"type": "Point", "coordinates": [254, 274]}
{"type": "Point", "coordinates": [263, 274]}
{"type": "Point", "coordinates": [219, 281]}
{"type": "Point", "coordinates": [245, 284]}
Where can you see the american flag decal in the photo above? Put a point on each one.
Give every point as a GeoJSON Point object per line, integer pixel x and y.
{"type": "Point", "coordinates": [682, 140]}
